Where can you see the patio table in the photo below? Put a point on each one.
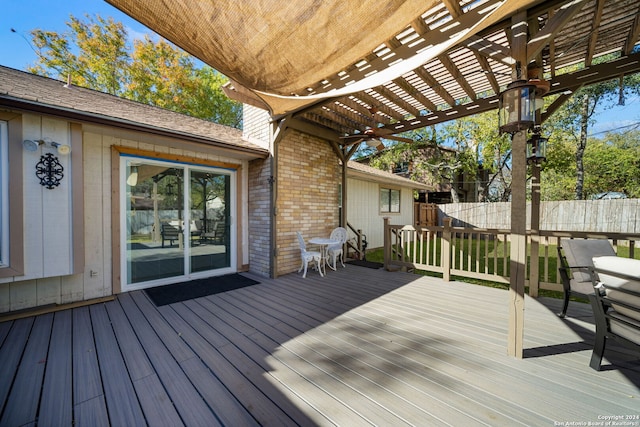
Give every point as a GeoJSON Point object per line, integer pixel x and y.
{"type": "Point", "coordinates": [324, 243]}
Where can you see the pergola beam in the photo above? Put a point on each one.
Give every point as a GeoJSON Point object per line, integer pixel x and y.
{"type": "Point", "coordinates": [594, 35]}
{"type": "Point", "coordinates": [553, 27]}
{"type": "Point", "coordinates": [566, 82]}
{"type": "Point", "coordinates": [634, 34]}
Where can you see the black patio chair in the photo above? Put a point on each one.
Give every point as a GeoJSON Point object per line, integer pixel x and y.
{"type": "Point", "coordinates": [574, 263]}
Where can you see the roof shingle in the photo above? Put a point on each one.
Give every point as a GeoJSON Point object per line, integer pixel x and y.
{"type": "Point", "coordinates": [23, 87]}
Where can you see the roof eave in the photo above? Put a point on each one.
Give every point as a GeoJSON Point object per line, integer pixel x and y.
{"type": "Point", "coordinates": [100, 119]}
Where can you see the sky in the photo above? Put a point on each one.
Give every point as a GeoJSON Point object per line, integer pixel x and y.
{"type": "Point", "coordinates": [27, 15]}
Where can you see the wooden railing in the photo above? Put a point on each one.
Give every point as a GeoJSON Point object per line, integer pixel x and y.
{"type": "Point", "coordinates": [484, 253]}
{"type": "Point", "coordinates": [358, 245]}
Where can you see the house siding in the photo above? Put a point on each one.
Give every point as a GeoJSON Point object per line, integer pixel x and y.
{"type": "Point", "coordinates": [49, 276]}
{"type": "Point", "coordinates": [363, 209]}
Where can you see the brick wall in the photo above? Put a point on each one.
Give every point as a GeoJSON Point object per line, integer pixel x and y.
{"type": "Point", "coordinates": [307, 199]}
{"type": "Point", "coordinates": [259, 217]}
{"type": "Point", "coordinates": [255, 125]}
{"type": "Point", "coordinates": [308, 174]}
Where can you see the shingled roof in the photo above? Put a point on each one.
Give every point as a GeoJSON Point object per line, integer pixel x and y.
{"type": "Point", "coordinates": [30, 92]}
{"type": "Point", "coordinates": [365, 171]}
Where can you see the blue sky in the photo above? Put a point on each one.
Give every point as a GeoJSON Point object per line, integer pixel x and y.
{"type": "Point", "coordinates": [26, 15]}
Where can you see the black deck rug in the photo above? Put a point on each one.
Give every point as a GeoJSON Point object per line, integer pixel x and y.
{"type": "Point", "coordinates": [364, 263]}
{"type": "Point", "coordinates": [168, 294]}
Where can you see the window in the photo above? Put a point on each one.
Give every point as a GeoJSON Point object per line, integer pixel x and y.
{"type": "Point", "coordinates": [4, 195]}
{"type": "Point", "coordinates": [389, 200]}
{"type": "Point", "coordinates": [401, 167]}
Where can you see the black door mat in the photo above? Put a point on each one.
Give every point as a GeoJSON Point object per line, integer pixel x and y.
{"type": "Point", "coordinates": [168, 294]}
{"type": "Point", "coordinates": [364, 263]}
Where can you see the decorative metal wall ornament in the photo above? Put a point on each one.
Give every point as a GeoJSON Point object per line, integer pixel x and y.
{"type": "Point", "coordinates": [49, 171]}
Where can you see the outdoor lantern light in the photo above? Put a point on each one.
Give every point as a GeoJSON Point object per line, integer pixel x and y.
{"type": "Point", "coordinates": [517, 107]}
{"type": "Point", "coordinates": [536, 149]}
{"type": "Point", "coordinates": [63, 149]}
{"type": "Point", "coordinates": [32, 145]}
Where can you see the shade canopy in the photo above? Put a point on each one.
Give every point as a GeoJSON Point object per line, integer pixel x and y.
{"type": "Point", "coordinates": [351, 65]}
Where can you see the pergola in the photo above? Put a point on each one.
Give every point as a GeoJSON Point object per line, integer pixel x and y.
{"type": "Point", "coordinates": [365, 68]}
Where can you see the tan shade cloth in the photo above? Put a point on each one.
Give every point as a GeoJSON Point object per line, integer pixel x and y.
{"type": "Point", "coordinates": [277, 49]}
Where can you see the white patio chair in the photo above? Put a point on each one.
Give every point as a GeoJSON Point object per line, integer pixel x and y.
{"type": "Point", "coordinates": [335, 251]}
{"type": "Point", "coordinates": [308, 257]}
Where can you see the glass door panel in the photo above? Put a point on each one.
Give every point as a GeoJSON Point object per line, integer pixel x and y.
{"type": "Point", "coordinates": [210, 214]}
{"type": "Point", "coordinates": [154, 211]}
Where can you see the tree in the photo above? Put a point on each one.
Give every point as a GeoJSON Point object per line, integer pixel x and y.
{"type": "Point", "coordinates": [458, 148]}
{"type": "Point", "coordinates": [478, 138]}
{"type": "Point", "coordinates": [612, 164]}
{"type": "Point", "coordinates": [577, 115]}
{"type": "Point", "coordinates": [102, 59]}
{"type": "Point", "coordinates": [153, 72]}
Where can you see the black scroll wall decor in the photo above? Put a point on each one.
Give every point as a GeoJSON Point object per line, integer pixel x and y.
{"type": "Point", "coordinates": [49, 171]}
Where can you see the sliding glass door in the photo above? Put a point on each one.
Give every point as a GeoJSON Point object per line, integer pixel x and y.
{"type": "Point", "coordinates": [175, 222]}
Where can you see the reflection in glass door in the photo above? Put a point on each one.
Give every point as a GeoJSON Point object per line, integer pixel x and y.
{"type": "Point", "coordinates": [210, 249]}
{"type": "Point", "coordinates": [164, 242]}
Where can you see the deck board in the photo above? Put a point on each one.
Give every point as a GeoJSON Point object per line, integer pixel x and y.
{"type": "Point", "coordinates": [22, 405]}
{"type": "Point", "coordinates": [153, 398]}
{"type": "Point", "coordinates": [87, 381]}
{"type": "Point", "coordinates": [118, 388]}
{"type": "Point", "coordinates": [5, 327]}
{"type": "Point", "coordinates": [193, 329]}
{"type": "Point", "coordinates": [184, 395]}
{"type": "Point", "coordinates": [358, 347]}
{"type": "Point", "coordinates": [10, 354]}
{"type": "Point", "coordinates": [56, 405]}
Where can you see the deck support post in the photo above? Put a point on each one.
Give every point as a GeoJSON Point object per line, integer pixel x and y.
{"type": "Point", "coordinates": [518, 257]}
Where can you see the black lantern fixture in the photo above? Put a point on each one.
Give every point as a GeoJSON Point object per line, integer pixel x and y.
{"type": "Point", "coordinates": [517, 107]}
{"type": "Point", "coordinates": [536, 149]}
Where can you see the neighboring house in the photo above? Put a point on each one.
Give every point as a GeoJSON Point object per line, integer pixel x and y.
{"type": "Point", "coordinates": [373, 195]}
{"type": "Point", "coordinates": [101, 195]}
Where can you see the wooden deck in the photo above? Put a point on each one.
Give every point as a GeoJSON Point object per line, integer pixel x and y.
{"type": "Point", "coordinates": [358, 347]}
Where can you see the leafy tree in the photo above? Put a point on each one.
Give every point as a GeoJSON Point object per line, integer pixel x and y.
{"type": "Point", "coordinates": [558, 180]}
{"type": "Point", "coordinates": [478, 138]}
{"type": "Point", "coordinates": [95, 54]}
{"type": "Point", "coordinates": [573, 119]}
{"type": "Point", "coordinates": [612, 164]}
{"type": "Point", "coordinates": [102, 59]}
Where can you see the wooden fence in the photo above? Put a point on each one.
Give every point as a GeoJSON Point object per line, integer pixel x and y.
{"type": "Point", "coordinates": [606, 216]}
{"type": "Point", "coordinates": [425, 214]}
{"type": "Point", "coordinates": [483, 253]}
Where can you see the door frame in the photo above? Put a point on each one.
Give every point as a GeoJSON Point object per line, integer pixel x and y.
{"type": "Point", "coordinates": [119, 243]}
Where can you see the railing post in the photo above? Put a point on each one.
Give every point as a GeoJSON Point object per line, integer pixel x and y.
{"type": "Point", "coordinates": [445, 254]}
{"type": "Point", "coordinates": [387, 243]}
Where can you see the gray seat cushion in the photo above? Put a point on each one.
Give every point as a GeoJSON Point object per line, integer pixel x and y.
{"type": "Point", "coordinates": [607, 267]}
{"type": "Point", "coordinates": [579, 253]}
